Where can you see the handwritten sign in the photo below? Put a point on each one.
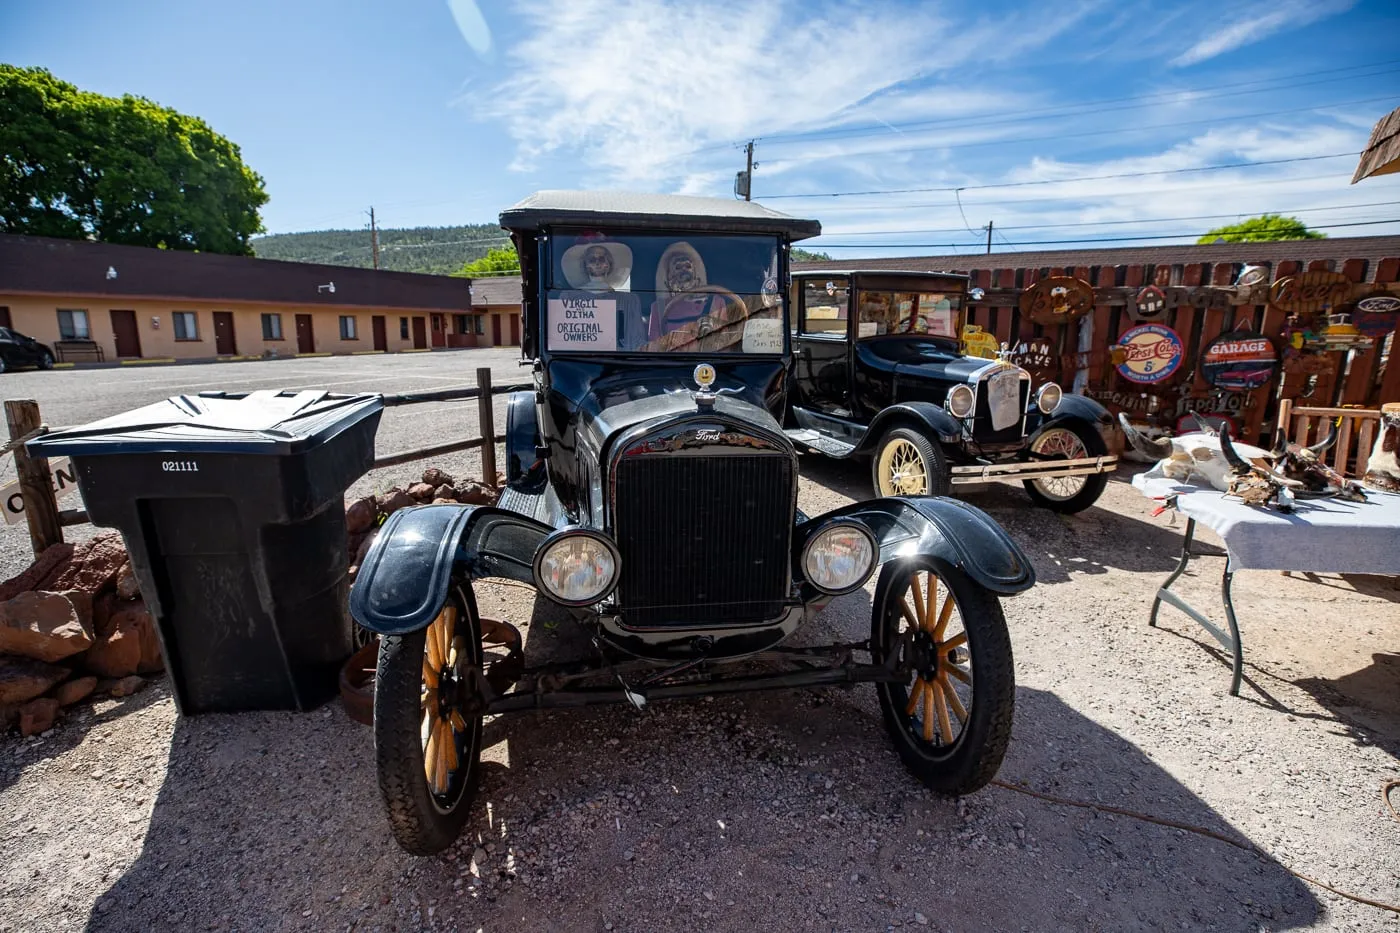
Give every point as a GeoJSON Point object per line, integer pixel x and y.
{"type": "Point", "coordinates": [65, 480]}
{"type": "Point", "coordinates": [582, 322]}
{"type": "Point", "coordinates": [763, 335]}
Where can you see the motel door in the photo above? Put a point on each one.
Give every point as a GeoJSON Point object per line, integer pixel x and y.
{"type": "Point", "coordinates": [439, 333]}
{"type": "Point", "coordinates": [125, 334]}
{"type": "Point", "coordinates": [224, 344]}
{"type": "Point", "coordinates": [420, 334]}
{"type": "Point", "coordinates": [515, 330]}
{"type": "Point", "coordinates": [306, 340]}
{"type": "Point", "coordinates": [496, 330]}
{"type": "Point", "coordinates": [381, 339]}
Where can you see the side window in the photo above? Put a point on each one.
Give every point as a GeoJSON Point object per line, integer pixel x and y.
{"type": "Point", "coordinates": [403, 328]}
{"type": "Point", "coordinates": [825, 307]}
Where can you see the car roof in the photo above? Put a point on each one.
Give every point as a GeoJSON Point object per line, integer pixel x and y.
{"type": "Point", "coordinates": [652, 211]}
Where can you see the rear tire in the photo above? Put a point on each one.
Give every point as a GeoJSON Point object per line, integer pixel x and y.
{"type": "Point", "coordinates": [46, 360]}
{"type": "Point", "coordinates": [951, 721]}
{"type": "Point", "coordinates": [1081, 436]}
{"type": "Point", "coordinates": [426, 817]}
{"type": "Point", "coordinates": [909, 463]}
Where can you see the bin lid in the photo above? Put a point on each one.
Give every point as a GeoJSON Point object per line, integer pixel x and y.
{"type": "Point", "coordinates": [270, 421]}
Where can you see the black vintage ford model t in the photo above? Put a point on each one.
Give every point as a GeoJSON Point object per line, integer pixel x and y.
{"type": "Point", "coordinates": [652, 490]}
{"type": "Point", "coordinates": [881, 372]}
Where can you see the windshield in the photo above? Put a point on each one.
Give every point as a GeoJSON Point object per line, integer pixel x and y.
{"type": "Point", "coordinates": [921, 313]}
{"type": "Point", "coordinates": [697, 293]}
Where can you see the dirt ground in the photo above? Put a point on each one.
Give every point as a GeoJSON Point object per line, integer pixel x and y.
{"type": "Point", "coordinates": [784, 811]}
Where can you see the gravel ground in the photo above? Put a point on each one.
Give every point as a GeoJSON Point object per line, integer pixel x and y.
{"type": "Point", "coordinates": [784, 811]}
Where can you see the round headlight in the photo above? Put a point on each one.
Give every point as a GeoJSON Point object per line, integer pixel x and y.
{"type": "Point", "coordinates": [960, 401]}
{"type": "Point", "coordinates": [1048, 398]}
{"type": "Point", "coordinates": [575, 567]}
{"type": "Point", "coordinates": [839, 558]}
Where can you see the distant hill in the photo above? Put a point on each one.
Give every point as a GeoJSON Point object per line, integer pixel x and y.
{"type": "Point", "coordinates": [441, 250]}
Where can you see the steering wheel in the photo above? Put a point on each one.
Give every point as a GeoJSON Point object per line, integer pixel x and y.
{"type": "Point", "coordinates": [724, 293]}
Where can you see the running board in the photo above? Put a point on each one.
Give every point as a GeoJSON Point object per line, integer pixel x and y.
{"type": "Point", "coordinates": [824, 443]}
{"type": "Point", "coordinates": [1038, 469]}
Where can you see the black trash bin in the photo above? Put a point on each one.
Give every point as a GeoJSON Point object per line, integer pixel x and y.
{"type": "Point", "coordinates": [231, 508]}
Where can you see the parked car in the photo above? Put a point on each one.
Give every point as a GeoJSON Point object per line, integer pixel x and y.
{"type": "Point", "coordinates": [880, 372]}
{"type": "Point", "coordinates": [17, 351]}
{"type": "Point", "coordinates": [652, 491]}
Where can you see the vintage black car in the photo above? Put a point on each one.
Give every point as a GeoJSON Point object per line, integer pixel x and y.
{"type": "Point", "coordinates": [652, 489]}
{"type": "Point", "coordinates": [880, 372]}
{"type": "Point", "coordinates": [17, 350]}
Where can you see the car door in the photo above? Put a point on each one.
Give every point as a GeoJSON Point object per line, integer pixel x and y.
{"type": "Point", "coordinates": [11, 349]}
{"type": "Point", "coordinates": [821, 349]}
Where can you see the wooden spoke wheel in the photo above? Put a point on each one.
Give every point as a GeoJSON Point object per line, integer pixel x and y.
{"type": "Point", "coordinates": [951, 719]}
{"type": "Point", "coordinates": [906, 463]}
{"type": "Point", "coordinates": [1070, 440]}
{"type": "Point", "coordinates": [428, 725]}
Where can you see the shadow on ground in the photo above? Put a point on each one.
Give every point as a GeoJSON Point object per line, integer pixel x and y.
{"type": "Point", "coordinates": [793, 804]}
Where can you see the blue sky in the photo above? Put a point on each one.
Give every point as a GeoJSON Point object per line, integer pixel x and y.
{"type": "Point", "coordinates": [442, 111]}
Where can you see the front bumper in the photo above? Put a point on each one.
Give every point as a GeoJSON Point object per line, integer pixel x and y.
{"type": "Point", "coordinates": [1033, 469]}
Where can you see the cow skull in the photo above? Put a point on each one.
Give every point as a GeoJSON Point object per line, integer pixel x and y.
{"type": "Point", "coordinates": [1195, 454]}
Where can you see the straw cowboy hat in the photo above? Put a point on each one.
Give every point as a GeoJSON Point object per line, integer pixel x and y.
{"type": "Point", "coordinates": [675, 249]}
{"type": "Point", "coordinates": [576, 271]}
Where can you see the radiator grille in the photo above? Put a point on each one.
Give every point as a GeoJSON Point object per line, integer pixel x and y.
{"type": "Point", "coordinates": [982, 425]}
{"type": "Point", "coordinates": [703, 538]}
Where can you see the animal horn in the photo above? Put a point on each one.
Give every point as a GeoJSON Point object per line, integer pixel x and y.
{"type": "Point", "coordinates": [1327, 441]}
{"type": "Point", "coordinates": [1202, 425]}
{"type": "Point", "coordinates": [1280, 445]}
{"type": "Point", "coordinates": [1158, 448]}
{"type": "Point", "coordinates": [1238, 465]}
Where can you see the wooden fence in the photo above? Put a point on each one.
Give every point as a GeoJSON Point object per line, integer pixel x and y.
{"type": "Point", "coordinates": [1204, 304]}
{"type": "Point", "coordinates": [46, 521]}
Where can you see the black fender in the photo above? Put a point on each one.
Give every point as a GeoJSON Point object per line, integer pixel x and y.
{"type": "Point", "coordinates": [1071, 407]}
{"type": "Point", "coordinates": [403, 581]}
{"type": "Point", "coordinates": [925, 415]}
{"type": "Point", "coordinates": [950, 531]}
{"type": "Point", "coordinates": [525, 468]}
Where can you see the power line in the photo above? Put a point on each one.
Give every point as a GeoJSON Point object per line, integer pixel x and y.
{"type": "Point", "coordinates": [1081, 108]}
{"type": "Point", "coordinates": [1124, 239]}
{"type": "Point", "coordinates": [1058, 181]}
{"type": "Point", "coordinates": [1107, 223]}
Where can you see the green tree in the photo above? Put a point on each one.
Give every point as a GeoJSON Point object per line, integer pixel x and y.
{"type": "Point", "coordinates": [79, 165]}
{"type": "Point", "coordinates": [1262, 228]}
{"type": "Point", "coordinates": [496, 262]}
{"type": "Point", "coordinates": [808, 255]}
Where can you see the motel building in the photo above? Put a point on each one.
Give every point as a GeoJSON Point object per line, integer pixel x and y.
{"type": "Point", "coordinates": [98, 302]}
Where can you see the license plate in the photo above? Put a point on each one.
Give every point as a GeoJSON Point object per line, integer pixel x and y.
{"type": "Point", "coordinates": [1004, 399]}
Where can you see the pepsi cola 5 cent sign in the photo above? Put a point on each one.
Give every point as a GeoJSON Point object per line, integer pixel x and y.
{"type": "Point", "coordinates": [1150, 353]}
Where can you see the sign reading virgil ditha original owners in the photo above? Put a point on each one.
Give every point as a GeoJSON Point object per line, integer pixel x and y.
{"type": "Point", "coordinates": [582, 322]}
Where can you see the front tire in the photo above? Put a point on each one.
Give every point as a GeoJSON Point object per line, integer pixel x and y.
{"type": "Point", "coordinates": [1067, 494]}
{"type": "Point", "coordinates": [427, 743]}
{"type": "Point", "coordinates": [951, 720]}
{"type": "Point", "coordinates": [909, 463]}
{"type": "Point", "coordinates": [46, 360]}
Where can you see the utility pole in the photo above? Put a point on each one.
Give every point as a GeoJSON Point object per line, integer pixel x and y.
{"type": "Point", "coordinates": [748, 173]}
{"type": "Point", "coordinates": [374, 237]}
{"type": "Point", "coordinates": [989, 236]}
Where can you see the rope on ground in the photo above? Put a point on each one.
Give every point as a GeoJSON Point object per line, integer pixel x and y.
{"type": "Point", "coordinates": [1386, 788]}
{"type": "Point", "coordinates": [24, 439]}
{"type": "Point", "coordinates": [1212, 834]}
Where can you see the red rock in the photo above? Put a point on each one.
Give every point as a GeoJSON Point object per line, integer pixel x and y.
{"type": "Point", "coordinates": [445, 502]}
{"type": "Point", "coordinates": [103, 608]}
{"type": "Point", "coordinates": [395, 499]}
{"type": "Point", "coordinates": [37, 716]}
{"type": "Point", "coordinates": [23, 679]}
{"type": "Point", "coordinates": [364, 547]}
{"type": "Point", "coordinates": [421, 491]}
{"type": "Point", "coordinates": [445, 491]}
{"type": "Point", "coordinates": [93, 567]}
{"type": "Point", "coordinates": [9, 716]}
{"type": "Point", "coordinates": [476, 494]}
{"type": "Point", "coordinates": [361, 515]}
{"type": "Point", "coordinates": [42, 626]}
{"type": "Point", "coordinates": [43, 565]}
{"type": "Point", "coordinates": [127, 686]}
{"type": "Point", "coordinates": [117, 654]}
{"type": "Point", "coordinates": [74, 690]}
{"type": "Point", "coordinates": [82, 605]}
{"type": "Point", "coordinates": [435, 477]}
{"type": "Point", "coordinates": [127, 587]}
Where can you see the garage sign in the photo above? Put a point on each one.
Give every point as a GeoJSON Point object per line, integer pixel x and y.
{"type": "Point", "coordinates": [1239, 361]}
{"type": "Point", "coordinates": [64, 482]}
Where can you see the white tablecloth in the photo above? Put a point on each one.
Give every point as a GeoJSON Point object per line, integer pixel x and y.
{"type": "Point", "coordinates": [1322, 536]}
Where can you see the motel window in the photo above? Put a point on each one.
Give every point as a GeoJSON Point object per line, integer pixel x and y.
{"type": "Point", "coordinates": [347, 327]}
{"type": "Point", "coordinates": [462, 327]}
{"type": "Point", "coordinates": [186, 325]}
{"type": "Point", "coordinates": [73, 325]}
{"type": "Point", "coordinates": [481, 323]}
{"type": "Point", "coordinates": [403, 327]}
{"type": "Point", "coordinates": [272, 326]}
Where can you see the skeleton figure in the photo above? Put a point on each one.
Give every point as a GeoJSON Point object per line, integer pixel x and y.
{"type": "Point", "coordinates": [1383, 468]}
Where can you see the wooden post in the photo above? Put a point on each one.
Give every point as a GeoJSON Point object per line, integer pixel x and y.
{"type": "Point", "coordinates": [35, 481]}
{"type": "Point", "coordinates": [485, 412]}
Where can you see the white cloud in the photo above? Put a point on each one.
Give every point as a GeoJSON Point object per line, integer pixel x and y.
{"type": "Point", "coordinates": [1257, 22]}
